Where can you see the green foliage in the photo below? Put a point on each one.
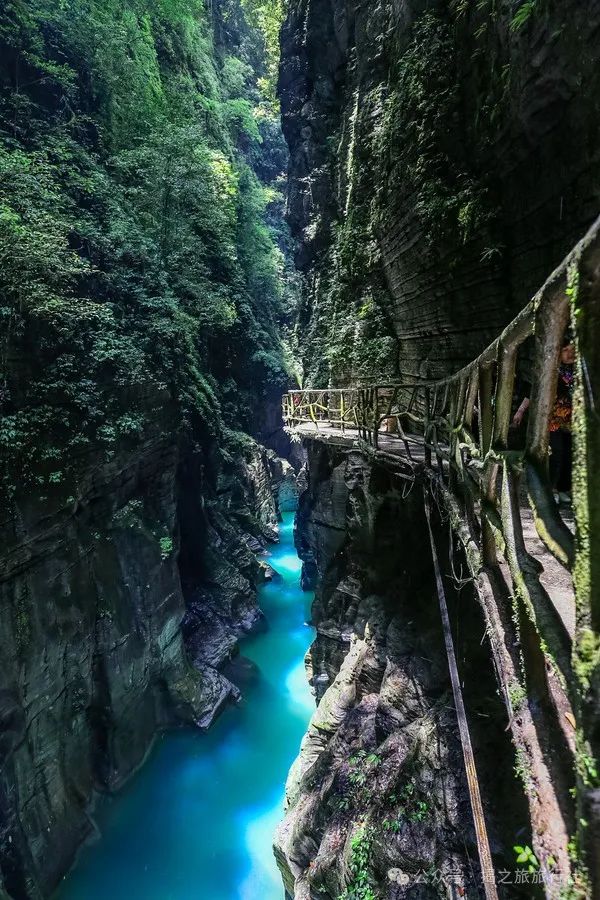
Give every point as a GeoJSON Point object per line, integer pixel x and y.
{"type": "Point", "coordinates": [526, 857]}
{"type": "Point", "coordinates": [409, 807]}
{"type": "Point", "coordinates": [523, 15]}
{"type": "Point", "coordinates": [349, 339]}
{"type": "Point", "coordinates": [241, 122]}
{"type": "Point", "coordinates": [420, 108]}
{"type": "Point", "coordinates": [129, 516]}
{"type": "Point", "coordinates": [237, 445]}
{"type": "Point", "coordinates": [517, 694]}
{"type": "Point", "coordinates": [267, 16]}
{"type": "Point", "coordinates": [166, 547]}
{"type": "Point", "coordinates": [361, 886]}
{"type": "Point", "coordinates": [586, 764]}
{"type": "Point", "coordinates": [140, 260]}
{"type": "Point", "coordinates": [460, 7]}
{"type": "Point", "coordinates": [362, 768]}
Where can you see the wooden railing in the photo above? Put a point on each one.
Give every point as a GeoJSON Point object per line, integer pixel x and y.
{"type": "Point", "coordinates": [457, 432]}
{"type": "Point", "coordinates": [463, 423]}
{"type": "Point", "coordinates": [334, 408]}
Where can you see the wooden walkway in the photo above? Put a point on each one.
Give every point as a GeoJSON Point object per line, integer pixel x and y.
{"type": "Point", "coordinates": [522, 550]}
{"type": "Point", "coordinates": [542, 732]}
{"type": "Point", "coordinates": [554, 577]}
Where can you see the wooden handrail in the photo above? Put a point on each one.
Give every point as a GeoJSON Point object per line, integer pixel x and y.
{"type": "Point", "coordinates": [463, 421]}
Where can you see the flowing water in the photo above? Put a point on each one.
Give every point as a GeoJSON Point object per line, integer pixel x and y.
{"type": "Point", "coordinates": [197, 822]}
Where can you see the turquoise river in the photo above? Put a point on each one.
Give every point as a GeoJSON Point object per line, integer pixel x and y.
{"type": "Point", "coordinates": [197, 821]}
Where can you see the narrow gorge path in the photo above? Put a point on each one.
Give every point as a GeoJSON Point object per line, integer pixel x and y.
{"type": "Point", "coordinates": [197, 822]}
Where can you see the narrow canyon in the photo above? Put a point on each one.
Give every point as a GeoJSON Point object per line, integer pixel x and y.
{"type": "Point", "coordinates": [300, 450]}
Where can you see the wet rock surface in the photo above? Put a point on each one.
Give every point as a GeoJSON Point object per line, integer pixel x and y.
{"type": "Point", "coordinates": [118, 611]}
{"type": "Point", "coordinates": [441, 167]}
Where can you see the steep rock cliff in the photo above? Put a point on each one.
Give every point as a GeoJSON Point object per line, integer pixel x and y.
{"type": "Point", "coordinates": [377, 799]}
{"type": "Point", "coordinates": [443, 161]}
{"type": "Point", "coordinates": [143, 284]}
{"type": "Point", "coordinates": [92, 650]}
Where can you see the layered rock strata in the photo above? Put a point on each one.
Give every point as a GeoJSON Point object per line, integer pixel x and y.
{"type": "Point", "coordinates": [443, 162]}
{"type": "Point", "coordinates": [93, 657]}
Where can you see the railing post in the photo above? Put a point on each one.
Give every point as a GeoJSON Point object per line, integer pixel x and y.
{"type": "Point", "coordinates": [471, 392]}
{"type": "Point", "coordinates": [488, 542]}
{"type": "Point", "coordinates": [551, 320]}
{"type": "Point", "coordinates": [434, 416]}
{"type": "Point", "coordinates": [507, 364]}
{"type": "Point", "coordinates": [427, 435]}
{"type": "Point", "coordinates": [552, 317]}
{"type": "Point", "coordinates": [471, 397]}
{"type": "Point", "coordinates": [445, 417]}
{"type": "Point", "coordinates": [360, 413]}
{"type": "Point", "coordinates": [369, 412]}
{"type": "Point", "coordinates": [453, 441]}
{"type": "Point", "coordinates": [501, 413]}
{"type": "Point", "coordinates": [458, 425]}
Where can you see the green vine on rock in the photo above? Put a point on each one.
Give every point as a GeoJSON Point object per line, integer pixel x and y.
{"type": "Point", "coordinates": [361, 886]}
{"type": "Point", "coordinates": [426, 98]}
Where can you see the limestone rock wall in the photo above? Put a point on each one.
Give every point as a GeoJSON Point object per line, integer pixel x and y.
{"type": "Point", "coordinates": [93, 657]}
{"type": "Point", "coordinates": [223, 532]}
{"type": "Point", "coordinates": [444, 158]}
{"type": "Point", "coordinates": [377, 796]}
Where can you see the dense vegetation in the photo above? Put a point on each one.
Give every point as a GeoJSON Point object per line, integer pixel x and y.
{"type": "Point", "coordinates": [142, 274]}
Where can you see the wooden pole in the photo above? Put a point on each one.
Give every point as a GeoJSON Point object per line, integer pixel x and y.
{"type": "Point", "coordinates": [483, 844]}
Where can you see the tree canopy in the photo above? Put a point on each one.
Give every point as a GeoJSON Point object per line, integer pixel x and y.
{"type": "Point", "coordinates": [142, 276]}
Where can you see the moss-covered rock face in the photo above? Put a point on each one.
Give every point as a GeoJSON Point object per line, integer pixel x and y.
{"type": "Point", "coordinates": [444, 160]}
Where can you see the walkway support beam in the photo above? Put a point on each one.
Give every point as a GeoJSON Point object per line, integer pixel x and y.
{"type": "Point", "coordinates": [483, 844]}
